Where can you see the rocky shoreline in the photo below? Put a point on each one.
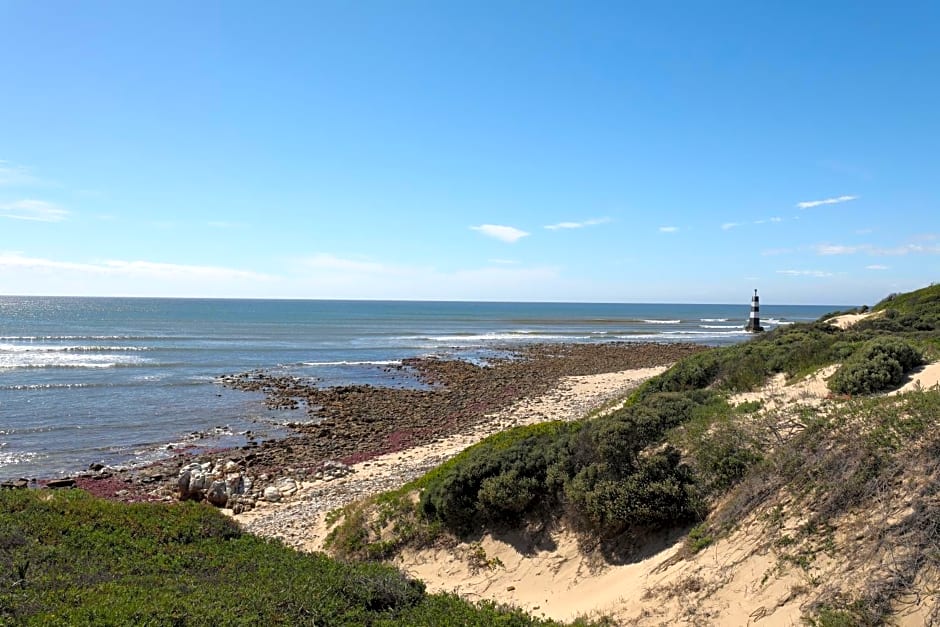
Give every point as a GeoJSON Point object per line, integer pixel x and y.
{"type": "Point", "coordinates": [353, 424]}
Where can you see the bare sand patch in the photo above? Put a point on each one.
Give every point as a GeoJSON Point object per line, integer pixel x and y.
{"type": "Point", "coordinates": [777, 393]}
{"type": "Point", "coordinates": [846, 320]}
{"type": "Point", "coordinates": [922, 378]}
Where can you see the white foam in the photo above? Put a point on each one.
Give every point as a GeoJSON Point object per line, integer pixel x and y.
{"type": "Point", "coordinates": [489, 337]}
{"type": "Point", "coordinates": [65, 360]}
{"type": "Point", "coordinates": [8, 459]}
{"type": "Point", "coordinates": [662, 321]}
{"type": "Point", "coordinates": [54, 348]}
{"type": "Point", "coordinates": [717, 326]}
{"type": "Point", "coordinates": [391, 362]}
{"type": "Point", "coordinates": [45, 386]}
{"type": "Point", "coordinates": [713, 320]}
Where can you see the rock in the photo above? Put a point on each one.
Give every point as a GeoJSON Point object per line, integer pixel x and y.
{"type": "Point", "coordinates": [193, 481]}
{"type": "Point", "coordinates": [217, 494]}
{"type": "Point", "coordinates": [19, 484]}
{"type": "Point", "coordinates": [56, 484]}
{"type": "Point", "coordinates": [286, 486]}
{"type": "Point", "coordinates": [272, 494]}
{"type": "Point", "coordinates": [96, 467]}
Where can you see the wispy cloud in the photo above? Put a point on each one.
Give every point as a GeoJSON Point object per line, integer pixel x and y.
{"type": "Point", "coordinates": [330, 262]}
{"type": "Point", "coordinates": [577, 225]}
{"type": "Point", "coordinates": [508, 234]}
{"type": "Point", "coordinates": [16, 176]}
{"type": "Point", "coordinates": [837, 249]}
{"type": "Point", "coordinates": [808, 204]}
{"type": "Point", "coordinates": [876, 266]}
{"type": "Point", "coordinates": [878, 251]}
{"type": "Point", "coordinates": [331, 276]}
{"type": "Point", "coordinates": [668, 229]}
{"type": "Point", "coordinates": [808, 273]}
{"type": "Point", "coordinates": [727, 226]}
{"type": "Point", "coordinates": [33, 210]}
{"type": "Point", "coordinates": [136, 269]}
{"type": "Point", "coordinates": [317, 276]}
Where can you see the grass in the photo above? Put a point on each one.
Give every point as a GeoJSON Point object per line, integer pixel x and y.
{"type": "Point", "coordinates": [67, 558]}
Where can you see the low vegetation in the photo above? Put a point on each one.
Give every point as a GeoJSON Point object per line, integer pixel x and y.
{"type": "Point", "coordinates": [677, 448]}
{"type": "Point", "coordinates": [67, 558]}
{"type": "Point", "coordinates": [677, 453]}
{"type": "Point", "coordinates": [878, 365]}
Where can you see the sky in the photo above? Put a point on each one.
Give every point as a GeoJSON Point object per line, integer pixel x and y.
{"type": "Point", "coordinates": [644, 151]}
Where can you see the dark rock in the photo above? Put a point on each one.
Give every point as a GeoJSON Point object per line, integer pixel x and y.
{"type": "Point", "coordinates": [56, 484]}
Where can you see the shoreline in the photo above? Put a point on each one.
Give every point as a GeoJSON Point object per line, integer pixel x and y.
{"type": "Point", "coordinates": [301, 521]}
{"type": "Point", "coordinates": [349, 425]}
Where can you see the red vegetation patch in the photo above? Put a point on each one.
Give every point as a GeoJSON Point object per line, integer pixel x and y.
{"type": "Point", "coordinates": [114, 489]}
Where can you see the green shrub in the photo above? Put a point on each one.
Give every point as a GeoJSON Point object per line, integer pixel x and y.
{"type": "Point", "coordinates": [600, 468]}
{"type": "Point", "coordinates": [880, 364]}
{"type": "Point", "coordinates": [498, 480]}
{"type": "Point", "coordinates": [67, 558]}
{"type": "Point", "coordinates": [658, 492]}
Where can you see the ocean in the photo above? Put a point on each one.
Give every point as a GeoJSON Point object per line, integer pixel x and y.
{"type": "Point", "coordinates": [125, 381]}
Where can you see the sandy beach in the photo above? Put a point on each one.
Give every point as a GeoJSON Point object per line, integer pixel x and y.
{"type": "Point", "coordinates": [300, 520]}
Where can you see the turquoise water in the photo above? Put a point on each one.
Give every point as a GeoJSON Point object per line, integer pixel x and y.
{"type": "Point", "coordinates": [117, 380]}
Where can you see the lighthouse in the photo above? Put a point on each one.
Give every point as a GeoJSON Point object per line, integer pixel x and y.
{"type": "Point", "coordinates": [753, 323]}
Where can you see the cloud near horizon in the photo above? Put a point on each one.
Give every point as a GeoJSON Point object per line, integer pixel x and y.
{"type": "Point", "coordinates": [877, 251]}
{"type": "Point", "coordinates": [15, 176]}
{"type": "Point", "coordinates": [577, 225]}
{"type": "Point", "coordinates": [668, 229]}
{"type": "Point", "coordinates": [338, 277]}
{"type": "Point", "coordinates": [808, 204]}
{"type": "Point", "coordinates": [33, 210]}
{"type": "Point", "coordinates": [137, 269]}
{"type": "Point", "coordinates": [508, 234]}
{"type": "Point", "coordinates": [318, 276]}
{"type": "Point", "coordinates": [809, 273]}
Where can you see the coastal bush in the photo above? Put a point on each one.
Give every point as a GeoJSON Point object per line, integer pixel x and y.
{"type": "Point", "coordinates": [599, 468]}
{"type": "Point", "coordinates": [692, 373]}
{"type": "Point", "coordinates": [880, 364]}
{"type": "Point", "coordinates": [657, 491]}
{"type": "Point", "coordinates": [67, 558]}
{"type": "Point", "coordinates": [497, 480]}
{"type": "Point", "coordinates": [917, 311]}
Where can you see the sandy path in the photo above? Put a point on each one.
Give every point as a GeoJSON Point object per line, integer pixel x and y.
{"type": "Point", "coordinates": [300, 521]}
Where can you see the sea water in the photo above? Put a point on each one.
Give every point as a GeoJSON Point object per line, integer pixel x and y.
{"type": "Point", "coordinates": [124, 381]}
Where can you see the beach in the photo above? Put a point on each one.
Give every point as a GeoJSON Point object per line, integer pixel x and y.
{"type": "Point", "coordinates": [127, 382]}
{"type": "Point", "coordinates": [301, 522]}
{"type": "Point", "coordinates": [346, 427]}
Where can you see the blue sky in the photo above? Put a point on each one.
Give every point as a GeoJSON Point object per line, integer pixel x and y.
{"type": "Point", "coordinates": [577, 151]}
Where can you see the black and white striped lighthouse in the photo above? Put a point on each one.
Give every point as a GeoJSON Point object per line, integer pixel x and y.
{"type": "Point", "coordinates": [753, 323]}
